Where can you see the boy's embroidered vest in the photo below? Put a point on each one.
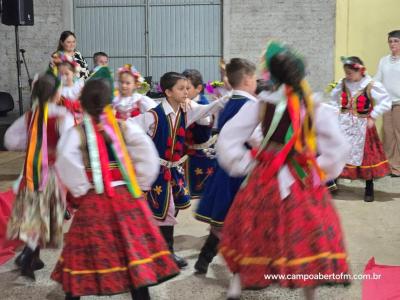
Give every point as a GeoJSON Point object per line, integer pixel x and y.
{"type": "Point", "coordinates": [233, 106]}
{"type": "Point", "coordinates": [361, 104]}
{"type": "Point", "coordinates": [169, 141]}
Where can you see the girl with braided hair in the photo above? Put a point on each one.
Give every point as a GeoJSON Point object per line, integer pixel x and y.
{"type": "Point", "coordinates": [282, 221]}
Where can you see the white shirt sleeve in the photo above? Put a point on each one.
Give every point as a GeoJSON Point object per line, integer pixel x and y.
{"type": "Point", "coordinates": [198, 111]}
{"type": "Point", "coordinates": [232, 154]}
{"type": "Point", "coordinates": [143, 154]}
{"type": "Point", "coordinates": [382, 100]}
{"type": "Point", "coordinates": [333, 147]}
{"type": "Point", "coordinates": [69, 163]}
{"type": "Point", "coordinates": [15, 138]}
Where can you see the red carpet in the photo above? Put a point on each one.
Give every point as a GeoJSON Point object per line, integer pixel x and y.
{"type": "Point", "coordinates": [386, 287]}
{"type": "Point", "coordinates": [7, 248]}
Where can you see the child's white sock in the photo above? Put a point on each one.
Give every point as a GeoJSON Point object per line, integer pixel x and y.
{"type": "Point", "coordinates": [235, 288]}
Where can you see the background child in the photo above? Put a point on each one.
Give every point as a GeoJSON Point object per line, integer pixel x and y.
{"type": "Point", "coordinates": [221, 188]}
{"type": "Point", "coordinates": [129, 254]}
{"type": "Point", "coordinates": [71, 86]}
{"type": "Point", "coordinates": [130, 103]}
{"type": "Point", "coordinates": [360, 102]}
{"type": "Point", "coordinates": [282, 220]}
{"type": "Point", "coordinates": [199, 166]}
{"type": "Point", "coordinates": [100, 59]}
{"type": "Point", "coordinates": [38, 211]}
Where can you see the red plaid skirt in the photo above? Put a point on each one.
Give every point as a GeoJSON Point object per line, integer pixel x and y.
{"type": "Point", "coordinates": [264, 235]}
{"type": "Point", "coordinates": [374, 164]}
{"type": "Point", "coordinates": [112, 247]}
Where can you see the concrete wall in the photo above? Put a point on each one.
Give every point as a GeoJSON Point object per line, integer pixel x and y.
{"type": "Point", "coordinates": [39, 41]}
{"type": "Point", "coordinates": [307, 25]}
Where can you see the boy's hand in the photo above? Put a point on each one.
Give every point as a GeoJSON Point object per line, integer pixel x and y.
{"type": "Point", "coordinates": [186, 105]}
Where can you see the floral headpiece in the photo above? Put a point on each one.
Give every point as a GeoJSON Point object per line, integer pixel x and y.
{"type": "Point", "coordinates": [128, 68]}
{"type": "Point", "coordinates": [347, 61]}
{"type": "Point", "coordinates": [60, 57]}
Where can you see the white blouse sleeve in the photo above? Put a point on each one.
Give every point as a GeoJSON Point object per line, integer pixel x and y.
{"type": "Point", "coordinates": [383, 101]}
{"type": "Point", "coordinates": [198, 111]}
{"type": "Point", "coordinates": [15, 138]}
{"type": "Point", "coordinates": [232, 154]}
{"type": "Point", "coordinates": [143, 154]}
{"type": "Point", "coordinates": [145, 121]}
{"type": "Point", "coordinates": [66, 123]}
{"type": "Point", "coordinates": [69, 163]}
{"type": "Point", "coordinates": [332, 145]}
{"type": "Point", "coordinates": [146, 103]}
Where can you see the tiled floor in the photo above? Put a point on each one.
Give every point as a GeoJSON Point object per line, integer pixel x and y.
{"type": "Point", "coordinates": [371, 229]}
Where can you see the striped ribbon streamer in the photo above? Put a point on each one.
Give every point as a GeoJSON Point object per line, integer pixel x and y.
{"type": "Point", "coordinates": [36, 162]}
{"type": "Point", "coordinates": [93, 154]}
{"type": "Point", "coordinates": [118, 146]}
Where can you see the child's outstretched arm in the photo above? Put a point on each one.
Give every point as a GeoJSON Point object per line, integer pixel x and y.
{"type": "Point", "coordinates": [196, 111]}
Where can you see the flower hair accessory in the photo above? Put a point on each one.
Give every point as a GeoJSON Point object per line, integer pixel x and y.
{"type": "Point", "coordinates": [211, 86]}
{"type": "Point", "coordinates": [128, 68]}
{"type": "Point", "coordinates": [60, 58]}
{"type": "Point", "coordinates": [159, 88]}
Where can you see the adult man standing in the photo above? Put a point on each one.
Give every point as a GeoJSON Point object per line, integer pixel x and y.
{"type": "Point", "coordinates": [389, 74]}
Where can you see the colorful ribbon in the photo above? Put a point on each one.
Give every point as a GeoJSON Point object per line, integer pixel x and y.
{"type": "Point", "coordinates": [120, 151]}
{"type": "Point", "coordinates": [36, 161]}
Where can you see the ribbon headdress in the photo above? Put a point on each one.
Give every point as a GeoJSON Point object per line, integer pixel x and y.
{"type": "Point", "coordinates": [348, 61]}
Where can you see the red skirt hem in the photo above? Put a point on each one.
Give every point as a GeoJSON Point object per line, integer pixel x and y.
{"type": "Point", "coordinates": [112, 246]}
{"type": "Point", "coordinates": [266, 235]}
{"type": "Point", "coordinates": [374, 165]}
